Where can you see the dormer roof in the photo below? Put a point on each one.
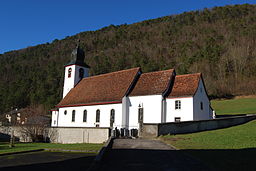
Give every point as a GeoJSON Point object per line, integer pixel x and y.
{"type": "Point", "coordinates": [153, 83]}
{"type": "Point", "coordinates": [185, 85]}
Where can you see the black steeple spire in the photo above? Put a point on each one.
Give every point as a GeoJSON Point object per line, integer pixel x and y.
{"type": "Point", "coordinates": [77, 56]}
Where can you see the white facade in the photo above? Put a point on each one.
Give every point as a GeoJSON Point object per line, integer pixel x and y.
{"type": "Point", "coordinates": [63, 118]}
{"type": "Point", "coordinates": [152, 109]}
{"type": "Point", "coordinates": [190, 107]}
{"type": "Point", "coordinates": [200, 99]}
{"type": "Point", "coordinates": [72, 77]}
{"type": "Point", "coordinates": [156, 109]}
{"type": "Point", "coordinates": [185, 113]}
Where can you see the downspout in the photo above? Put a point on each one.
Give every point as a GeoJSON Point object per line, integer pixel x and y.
{"type": "Point", "coordinates": [163, 110]}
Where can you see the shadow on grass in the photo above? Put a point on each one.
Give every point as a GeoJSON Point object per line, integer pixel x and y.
{"type": "Point", "coordinates": [226, 159]}
{"type": "Point", "coordinates": [69, 164]}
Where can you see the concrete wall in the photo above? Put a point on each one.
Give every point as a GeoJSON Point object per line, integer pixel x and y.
{"type": "Point", "coordinates": [60, 135]}
{"type": "Point", "coordinates": [6, 131]}
{"type": "Point", "coordinates": [79, 135]}
{"type": "Point", "coordinates": [153, 130]}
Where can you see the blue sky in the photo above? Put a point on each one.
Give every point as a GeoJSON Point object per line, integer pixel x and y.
{"type": "Point", "coordinates": [26, 23]}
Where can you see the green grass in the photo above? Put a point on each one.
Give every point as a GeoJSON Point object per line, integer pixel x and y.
{"type": "Point", "coordinates": [234, 106]}
{"type": "Point", "coordinates": [236, 137]}
{"type": "Point", "coordinates": [4, 147]}
{"type": "Point", "coordinates": [231, 148]}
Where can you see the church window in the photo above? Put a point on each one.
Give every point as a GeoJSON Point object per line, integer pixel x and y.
{"type": "Point", "coordinates": [85, 116]}
{"type": "Point", "coordinates": [65, 112]}
{"type": "Point", "coordinates": [112, 117]}
{"type": "Point", "coordinates": [69, 72]}
{"type": "Point", "coordinates": [177, 104]}
{"type": "Point", "coordinates": [73, 115]}
{"type": "Point", "coordinates": [81, 73]}
{"type": "Point", "coordinates": [201, 106]}
{"type": "Point", "coordinates": [97, 115]}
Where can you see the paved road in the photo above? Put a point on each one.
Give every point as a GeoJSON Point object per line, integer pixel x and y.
{"type": "Point", "coordinates": [142, 154]}
{"type": "Point", "coordinates": [46, 161]}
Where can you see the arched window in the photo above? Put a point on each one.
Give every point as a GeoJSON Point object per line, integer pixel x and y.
{"type": "Point", "coordinates": [69, 72]}
{"type": "Point", "coordinates": [85, 116]}
{"type": "Point", "coordinates": [73, 115]}
{"type": "Point", "coordinates": [97, 115]}
{"type": "Point", "coordinates": [81, 73]}
{"type": "Point", "coordinates": [112, 117]}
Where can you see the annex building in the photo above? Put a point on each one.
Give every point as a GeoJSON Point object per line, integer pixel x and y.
{"type": "Point", "coordinates": [128, 98]}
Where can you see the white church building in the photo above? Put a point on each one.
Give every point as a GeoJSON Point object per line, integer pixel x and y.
{"type": "Point", "coordinates": [128, 98]}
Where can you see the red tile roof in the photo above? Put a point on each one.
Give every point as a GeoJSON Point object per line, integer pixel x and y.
{"type": "Point", "coordinates": [110, 87]}
{"type": "Point", "coordinates": [152, 83]}
{"type": "Point", "coordinates": [185, 85]}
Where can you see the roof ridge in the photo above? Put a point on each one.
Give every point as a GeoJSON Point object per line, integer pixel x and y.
{"type": "Point", "coordinates": [100, 75]}
{"type": "Point", "coordinates": [158, 71]}
{"type": "Point", "coordinates": [183, 75]}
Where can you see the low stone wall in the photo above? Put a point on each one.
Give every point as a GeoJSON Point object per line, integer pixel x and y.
{"type": "Point", "coordinates": [59, 135]}
{"type": "Point", "coordinates": [6, 131]}
{"type": "Point", "coordinates": [153, 130]}
{"type": "Point", "coordinates": [79, 135]}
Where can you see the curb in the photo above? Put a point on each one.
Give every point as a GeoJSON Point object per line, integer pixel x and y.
{"type": "Point", "coordinates": [99, 157]}
{"type": "Point", "coordinates": [21, 152]}
{"type": "Point", "coordinates": [75, 151]}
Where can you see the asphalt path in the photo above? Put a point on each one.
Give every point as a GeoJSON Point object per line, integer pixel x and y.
{"type": "Point", "coordinates": [143, 154]}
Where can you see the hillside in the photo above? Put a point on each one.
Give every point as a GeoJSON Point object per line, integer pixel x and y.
{"type": "Point", "coordinates": [218, 42]}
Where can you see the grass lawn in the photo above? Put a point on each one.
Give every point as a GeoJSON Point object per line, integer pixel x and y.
{"type": "Point", "coordinates": [231, 148]}
{"type": "Point", "coordinates": [235, 106]}
{"type": "Point", "coordinates": [4, 147]}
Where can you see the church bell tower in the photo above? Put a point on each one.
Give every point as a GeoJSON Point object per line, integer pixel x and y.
{"type": "Point", "coordinates": [75, 70]}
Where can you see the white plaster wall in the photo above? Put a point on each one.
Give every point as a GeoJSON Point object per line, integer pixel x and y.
{"type": "Point", "coordinates": [185, 113]}
{"type": "Point", "coordinates": [66, 120]}
{"type": "Point", "coordinates": [201, 96]}
{"type": "Point", "coordinates": [70, 82]}
{"type": "Point", "coordinates": [54, 118]}
{"type": "Point", "coordinates": [151, 109]}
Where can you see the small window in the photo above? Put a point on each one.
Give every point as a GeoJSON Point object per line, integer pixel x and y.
{"type": "Point", "coordinates": [69, 72]}
{"type": "Point", "coordinates": [85, 116]}
{"type": "Point", "coordinates": [54, 122]}
{"type": "Point", "coordinates": [98, 115]}
{"type": "Point", "coordinates": [81, 73]}
{"type": "Point", "coordinates": [65, 112]}
{"type": "Point", "coordinates": [177, 119]}
{"type": "Point", "coordinates": [73, 115]}
{"type": "Point", "coordinates": [177, 104]}
{"type": "Point", "coordinates": [201, 106]}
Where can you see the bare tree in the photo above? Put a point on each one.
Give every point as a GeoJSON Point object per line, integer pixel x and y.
{"type": "Point", "coordinates": [34, 123]}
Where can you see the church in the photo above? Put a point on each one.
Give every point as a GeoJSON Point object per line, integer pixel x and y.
{"type": "Point", "coordinates": [129, 98]}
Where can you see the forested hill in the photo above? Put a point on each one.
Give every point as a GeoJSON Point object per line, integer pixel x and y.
{"type": "Point", "coordinates": [219, 42]}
